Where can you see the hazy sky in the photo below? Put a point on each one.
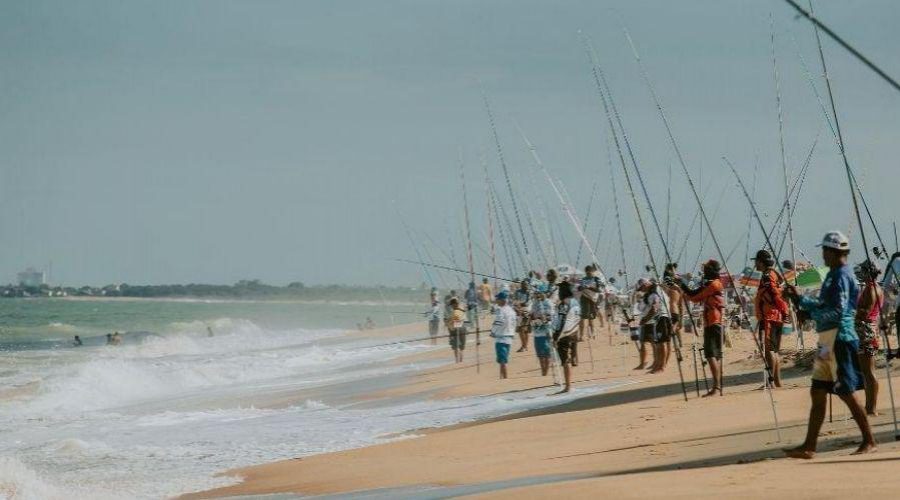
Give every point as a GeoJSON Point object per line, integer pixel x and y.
{"type": "Point", "coordinates": [211, 141]}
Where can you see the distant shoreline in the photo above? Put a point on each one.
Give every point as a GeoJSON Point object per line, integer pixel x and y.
{"type": "Point", "coordinates": [373, 303]}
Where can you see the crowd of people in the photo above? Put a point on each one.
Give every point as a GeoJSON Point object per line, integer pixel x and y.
{"type": "Point", "coordinates": [553, 314]}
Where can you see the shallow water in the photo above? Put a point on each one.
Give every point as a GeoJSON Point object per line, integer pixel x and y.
{"type": "Point", "coordinates": [171, 407]}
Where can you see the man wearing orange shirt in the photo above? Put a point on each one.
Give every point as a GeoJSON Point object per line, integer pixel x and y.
{"type": "Point", "coordinates": [771, 313]}
{"type": "Point", "coordinates": [712, 295]}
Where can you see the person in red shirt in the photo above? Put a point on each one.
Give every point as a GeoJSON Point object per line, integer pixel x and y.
{"type": "Point", "coordinates": [712, 295]}
{"type": "Point", "coordinates": [771, 313]}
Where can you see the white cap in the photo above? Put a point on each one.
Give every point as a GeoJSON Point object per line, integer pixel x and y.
{"type": "Point", "coordinates": [835, 240]}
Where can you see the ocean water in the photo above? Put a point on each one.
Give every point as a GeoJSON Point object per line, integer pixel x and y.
{"type": "Point", "coordinates": [171, 407]}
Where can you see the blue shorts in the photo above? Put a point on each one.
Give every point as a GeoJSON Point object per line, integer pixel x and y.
{"type": "Point", "coordinates": [542, 347]}
{"type": "Point", "coordinates": [849, 375]}
{"type": "Point", "coordinates": [502, 352]}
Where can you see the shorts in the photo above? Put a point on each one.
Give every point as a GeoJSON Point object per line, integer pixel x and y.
{"type": "Point", "coordinates": [648, 333]}
{"type": "Point", "coordinates": [502, 351]}
{"type": "Point", "coordinates": [433, 327]}
{"type": "Point", "coordinates": [712, 341]}
{"type": "Point", "coordinates": [868, 338]}
{"type": "Point", "coordinates": [458, 339]}
{"type": "Point", "coordinates": [771, 334]}
{"type": "Point", "coordinates": [524, 327]}
{"type": "Point", "coordinates": [588, 308]}
{"type": "Point", "coordinates": [567, 348]}
{"type": "Point", "coordinates": [542, 346]}
{"type": "Point", "coordinates": [849, 375]}
{"type": "Point", "coordinates": [634, 333]}
{"type": "Point", "coordinates": [663, 330]}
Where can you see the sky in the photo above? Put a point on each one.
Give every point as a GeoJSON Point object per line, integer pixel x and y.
{"type": "Point", "coordinates": [212, 141]}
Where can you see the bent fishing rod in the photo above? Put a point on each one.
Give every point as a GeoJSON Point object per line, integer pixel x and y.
{"type": "Point", "coordinates": [455, 270]}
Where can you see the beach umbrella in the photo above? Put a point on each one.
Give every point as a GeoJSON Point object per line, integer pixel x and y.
{"type": "Point", "coordinates": [812, 277]}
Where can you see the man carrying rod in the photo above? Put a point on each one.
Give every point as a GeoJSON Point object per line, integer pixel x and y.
{"type": "Point", "coordinates": [836, 367]}
{"type": "Point", "coordinates": [771, 313]}
{"type": "Point", "coordinates": [712, 295]}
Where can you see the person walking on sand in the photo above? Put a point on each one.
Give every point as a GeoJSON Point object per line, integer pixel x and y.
{"type": "Point", "coordinates": [771, 313]}
{"type": "Point", "coordinates": [542, 312]}
{"type": "Point", "coordinates": [836, 367]}
{"type": "Point", "coordinates": [522, 305]}
{"type": "Point", "coordinates": [711, 294]}
{"type": "Point", "coordinates": [503, 330]}
{"type": "Point", "coordinates": [868, 316]}
{"type": "Point", "coordinates": [457, 324]}
{"type": "Point", "coordinates": [565, 332]}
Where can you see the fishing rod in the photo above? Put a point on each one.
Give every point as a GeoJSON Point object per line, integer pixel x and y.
{"type": "Point", "coordinates": [787, 195]}
{"type": "Point", "coordinates": [512, 196]}
{"type": "Point", "coordinates": [573, 218]}
{"type": "Point", "coordinates": [802, 182]}
{"type": "Point", "coordinates": [455, 270]}
{"type": "Point", "coordinates": [612, 176]}
{"type": "Point", "coordinates": [506, 236]}
{"type": "Point", "coordinates": [834, 127]}
{"type": "Point", "coordinates": [412, 243]}
{"type": "Point", "coordinates": [587, 218]}
{"type": "Point", "coordinates": [834, 36]}
{"type": "Point", "coordinates": [687, 174]}
{"type": "Point", "coordinates": [600, 78]}
{"type": "Point", "coordinates": [471, 256]}
{"type": "Point", "coordinates": [750, 215]}
{"type": "Point", "coordinates": [851, 180]}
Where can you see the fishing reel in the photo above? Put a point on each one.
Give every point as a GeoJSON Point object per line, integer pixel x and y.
{"type": "Point", "coordinates": [880, 253]}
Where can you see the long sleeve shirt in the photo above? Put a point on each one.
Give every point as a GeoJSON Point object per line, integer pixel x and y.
{"type": "Point", "coordinates": [835, 307]}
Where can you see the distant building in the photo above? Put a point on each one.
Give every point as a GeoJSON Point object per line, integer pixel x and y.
{"type": "Point", "coordinates": [31, 278]}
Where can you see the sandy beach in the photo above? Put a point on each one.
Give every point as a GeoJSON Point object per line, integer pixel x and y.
{"type": "Point", "coordinates": [636, 439]}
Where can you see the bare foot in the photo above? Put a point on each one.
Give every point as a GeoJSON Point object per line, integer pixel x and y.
{"type": "Point", "coordinates": [800, 452]}
{"type": "Point", "coordinates": [712, 392]}
{"type": "Point", "coordinates": [872, 413]}
{"type": "Point", "coordinates": [563, 391]}
{"type": "Point", "coordinates": [640, 367]}
{"type": "Point", "coordinates": [865, 448]}
{"type": "Point", "coordinates": [778, 384]}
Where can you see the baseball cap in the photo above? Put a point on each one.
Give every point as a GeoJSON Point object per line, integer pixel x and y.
{"type": "Point", "coordinates": [835, 240]}
{"type": "Point", "coordinates": [503, 295]}
{"type": "Point", "coordinates": [763, 255]}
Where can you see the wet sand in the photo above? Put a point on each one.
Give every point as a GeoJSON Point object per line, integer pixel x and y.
{"type": "Point", "coordinates": [637, 440]}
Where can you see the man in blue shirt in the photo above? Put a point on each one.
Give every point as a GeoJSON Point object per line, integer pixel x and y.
{"type": "Point", "coordinates": [836, 369]}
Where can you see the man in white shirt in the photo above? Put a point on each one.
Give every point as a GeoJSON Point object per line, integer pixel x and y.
{"type": "Point", "coordinates": [503, 330]}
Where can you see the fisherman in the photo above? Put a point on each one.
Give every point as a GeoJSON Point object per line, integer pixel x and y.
{"type": "Point", "coordinates": [676, 307]}
{"type": "Point", "coordinates": [109, 339]}
{"type": "Point", "coordinates": [771, 313]}
{"type": "Point", "coordinates": [503, 330]}
{"type": "Point", "coordinates": [565, 334]}
{"type": "Point", "coordinates": [868, 317]}
{"type": "Point", "coordinates": [711, 294]}
{"type": "Point", "coordinates": [448, 310]}
{"type": "Point", "coordinates": [471, 304]}
{"type": "Point", "coordinates": [116, 338]}
{"type": "Point", "coordinates": [542, 312]}
{"type": "Point", "coordinates": [457, 325]}
{"type": "Point", "coordinates": [663, 327]}
{"type": "Point", "coordinates": [484, 295]}
{"type": "Point", "coordinates": [522, 305]}
{"type": "Point", "coordinates": [590, 287]}
{"type": "Point", "coordinates": [77, 342]}
{"type": "Point", "coordinates": [434, 320]}
{"type": "Point", "coordinates": [836, 368]}
{"type": "Point", "coordinates": [649, 312]}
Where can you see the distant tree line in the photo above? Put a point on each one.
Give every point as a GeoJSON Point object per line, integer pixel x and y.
{"type": "Point", "coordinates": [244, 289]}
